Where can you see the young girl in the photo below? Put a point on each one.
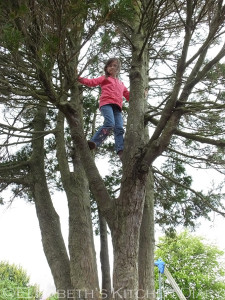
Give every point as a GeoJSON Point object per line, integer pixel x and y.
{"type": "Point", "coordinates": [110, 103]}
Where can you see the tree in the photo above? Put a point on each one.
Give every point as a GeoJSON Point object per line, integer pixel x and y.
{"type": "Point", "coordinates": [30, 169]}
{"type": "Point", "coordinates": [14, 284]}
{"type": "Point", "coordinates": [196, 266]}
{"type": "Point", "coordinates": [40, 49]}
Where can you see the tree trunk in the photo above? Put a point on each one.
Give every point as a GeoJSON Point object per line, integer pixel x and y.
{"type": "Point", "coordinates": [146, 246]}
{"type": "Point", "coordinates": [125, 238]}
{"type": "Point", "coordinates": [83, 268]}
{"type": "Point", "coordinates": [147, 240]}
{"type": "Point", "coordinates": [84, 274]}
{"type": "Point", "coordinates": [129, 205]}
{"type": "Point", "coordinates": [53, 243]}
{"type": "Point", "coordinates": [104, 258]}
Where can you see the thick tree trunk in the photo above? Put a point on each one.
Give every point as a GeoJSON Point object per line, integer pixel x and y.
{"type": "Point", "coordinates": [52, 240]}
{"type": "Point", "coordinates": [53, 243]}
{"type": "Point", "coordinates": [123, 215]}
{"type": "Point", "coordinates": [147, 240]}
{"type": "Point", "coordinates": [146, 246]}
{"type": "Point", "coordinates": [84, 274]}
{"type": "Point", "coordinates": [104, 258]}
{"type": "Point", "coordinates": [129, 206]}
{"type": "Point", "coordinates": [125, 238]}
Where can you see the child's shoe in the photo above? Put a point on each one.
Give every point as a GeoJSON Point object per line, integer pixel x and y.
{"type": "Point", "coordinates": [91, 145]}
{"type": "Point", "coordinates": [120, 153]}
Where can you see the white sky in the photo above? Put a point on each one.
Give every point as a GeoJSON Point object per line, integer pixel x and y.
{"type": "Point", "coordinates": [21, 243]}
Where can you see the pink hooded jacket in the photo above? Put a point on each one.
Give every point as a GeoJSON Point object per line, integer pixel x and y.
{"type": "Point", "coordinates": [112, 89]}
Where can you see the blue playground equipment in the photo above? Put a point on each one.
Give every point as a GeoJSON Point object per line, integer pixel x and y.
{"type": "Point", "coordinates": [163, 270]}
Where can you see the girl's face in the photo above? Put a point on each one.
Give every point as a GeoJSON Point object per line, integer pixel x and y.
{"type": "Point", "coordinates": [112, 68]}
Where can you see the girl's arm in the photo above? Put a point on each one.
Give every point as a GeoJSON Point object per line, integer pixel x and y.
{"type": "Point", "coordinates": [126, 93]}
{"type": "Point", "coordinates": [91, 82]}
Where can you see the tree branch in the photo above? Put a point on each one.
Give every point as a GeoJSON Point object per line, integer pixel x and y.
{"type": "Point", "coordinates": [194, 136]}
{"type": "Point", "coordinates": [208, 204]}
{"type": "Point", "coordinates": [96, 182]}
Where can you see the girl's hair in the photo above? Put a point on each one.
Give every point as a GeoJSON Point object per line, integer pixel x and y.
{"type": "Point", "coordinates": [109, 61]}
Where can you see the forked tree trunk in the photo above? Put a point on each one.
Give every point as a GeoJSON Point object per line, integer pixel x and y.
{"type": "Point", "coordinates": [74, 277]}
{"type": "Point", "coordinates": [124, 215]}
{"type": "Point", "coordinates": [129, 205]}
{"type": "Point", "coordinates": [83, 268]}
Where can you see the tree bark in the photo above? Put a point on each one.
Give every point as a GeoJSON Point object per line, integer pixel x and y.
{"type": "Point", "coordinates": [52, 240]}
{"type": "Point", "coordinates": [83, 268]}
{"type": "Point", "coordinates": [104, 258]}
{"type": "Point", "coordinates": [125, 238]}
{"type": "Point", "coordinates": [129, 205]}
{"type": "Point", "coordinates": [147, 240]}
{"type": "Point", "coordinates": [83, 265]}
{"type": "Point", "coordinates": [146, 246]}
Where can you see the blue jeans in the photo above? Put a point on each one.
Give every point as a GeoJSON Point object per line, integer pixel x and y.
{"type": "Point", "coordinates": [112, 121]}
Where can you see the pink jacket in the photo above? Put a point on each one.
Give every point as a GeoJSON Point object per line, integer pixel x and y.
{"type": "Point", "coordinates": [112, 89]}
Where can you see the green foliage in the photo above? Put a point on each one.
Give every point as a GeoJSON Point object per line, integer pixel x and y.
{"type": "Point", "coordinates": [195, 265]}
{"type": "Point", "coordinates": [106, 40]}
{"type": "Point", "coordinates": [14, 284]}
{"type": "Point", "coordinates": [90, 104]}
{"type": "Point", "coordinates": [124, 10]}
{"type": "Point", "coordinates": [14, 274]}
{"type": "Point", "coordinates": [112, 181]}
{"type": "Point", "coordinates": [22, 154]}
{"type": "Point", "coordinates": [175, 202]}
{"type": "Point", "coordinates": [216, 73]}
{"type": "Point", "coordinates": [12, 37]}
{"type": "Point", "coordinates": [53, 297]}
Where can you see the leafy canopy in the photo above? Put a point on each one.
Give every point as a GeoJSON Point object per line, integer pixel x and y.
{"type": "Point", "coordinates": [14, 283]}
